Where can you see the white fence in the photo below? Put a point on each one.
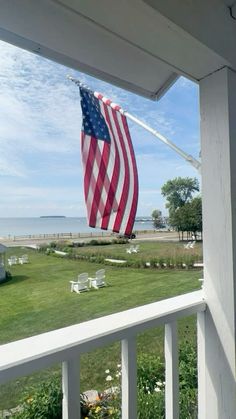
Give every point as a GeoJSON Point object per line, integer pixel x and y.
{"type": "Point", "coordinates": [65, 345]}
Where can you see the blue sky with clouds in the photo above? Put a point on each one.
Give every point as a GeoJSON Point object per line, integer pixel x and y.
{"type": "Point", "coordinates": [40, 123]}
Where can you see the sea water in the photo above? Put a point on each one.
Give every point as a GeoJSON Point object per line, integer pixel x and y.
{"type": "Point", "coordinates": [34, 225]}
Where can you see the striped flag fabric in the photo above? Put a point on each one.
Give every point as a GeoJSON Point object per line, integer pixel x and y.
{"type": "Point", "coordinates": [110, 171]}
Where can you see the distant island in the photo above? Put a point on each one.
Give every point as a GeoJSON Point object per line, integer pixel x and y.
{"type": "Point", "coordinates": [52, 216]}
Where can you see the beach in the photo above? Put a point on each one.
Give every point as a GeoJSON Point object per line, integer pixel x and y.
{"type": "Point", "coordinates": [35, 241]}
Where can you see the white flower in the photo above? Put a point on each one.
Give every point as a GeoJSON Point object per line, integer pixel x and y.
{"type": "Point", "coordinates": [159, 383]}
{"type": "Point", "coordinates": [109, 378]}
{"type": "Point", "coordinates": [157, 389]}
{"type": "Point", "coordinates": [107, 371]}
{"type": "Point", "coordinates": [118, 365]}
{"type": "Point", "coordinates": [118, 374]}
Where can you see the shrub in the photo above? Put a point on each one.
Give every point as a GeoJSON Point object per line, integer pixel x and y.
{"type": "Point", "coordinates": [161, 262]}
{"type": "Point", "coordinates": [43, 247]}
{"type": "Point", "coordinates": [187, 366]}
{"type": "Point", "coordinates": [143, 263]}
{"type": "Point", "coordinates": [97, 259]}
{"type": "Point", "coordinates": [153, 263]}
{"type": "Point", "coordinates": [179, 260]}
{"type": "Point", "coordinates": [119, 241]}
{"type": "Point", "coordinates": [67, 249]}
{"type": "Point", "coordinates": [151, 370]}
{"type": "Point", "coordinates": [190, 261]}
{"type": "Point", "coordinates": [44, 402]}
{"type": "Point", "coordinates": [53, 245]}
{"type": "Point", "coordinates": [78, 244]}
{"type": "Point", "coordinates": [151, 405]}
{"type": "Point", "coordinates": [98, 243]}
{"type": "Point", "coordinates": [188, 404]}
{"type": "Point", "coordinates": [61, 244]}
{"type": "Point", "coordinates": [168, 262]}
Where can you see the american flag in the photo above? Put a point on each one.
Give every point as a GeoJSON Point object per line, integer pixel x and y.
{"type": "Point", "coordinates": [110, 171]}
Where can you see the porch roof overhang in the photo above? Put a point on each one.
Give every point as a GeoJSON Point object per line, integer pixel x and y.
{"type": "Point", "coordinates": [140, 45]}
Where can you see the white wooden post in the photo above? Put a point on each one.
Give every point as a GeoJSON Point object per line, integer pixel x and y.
{"type": "Point", "coordinates": [129, 379]}
{"type": "Point", "coordinates": [71, 389]}
{"type": "Point", "coordinates": [217, 343]}
{"type": "Point", "coordinates": [172, 371]}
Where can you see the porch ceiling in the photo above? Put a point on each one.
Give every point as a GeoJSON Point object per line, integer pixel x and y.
{"type": "Point", "coordinates": [140, 45]}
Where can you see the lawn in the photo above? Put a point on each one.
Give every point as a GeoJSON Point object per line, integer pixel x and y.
{"type": "Point", "coordinates": [148, 250]}
{"type": "Point", "coordinates": [38, 299]}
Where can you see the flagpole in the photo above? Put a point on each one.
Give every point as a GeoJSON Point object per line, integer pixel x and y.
{"type": "Point", "coordinates": [190, 159]}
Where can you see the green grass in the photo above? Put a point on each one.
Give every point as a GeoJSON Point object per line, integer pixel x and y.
{"type": "Point", "coordinates": [38, 299]}
{"type": "Point", "coordinates": [148, 250]}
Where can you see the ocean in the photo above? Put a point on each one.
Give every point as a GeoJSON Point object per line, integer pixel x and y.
{"type": "Point", "coordinates": [34, 225]}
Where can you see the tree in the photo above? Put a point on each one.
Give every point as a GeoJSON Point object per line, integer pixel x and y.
{"type": "Point", "coordinates": [196, 215]}
{"type": "Point", "coordinates": [185, 212]}
{"type": "Point", "coordinates": [179, 191]}
{"type": "Point", "coordinates": [188, 217]}
{"type": "Point", "coordinates": [157, 218]}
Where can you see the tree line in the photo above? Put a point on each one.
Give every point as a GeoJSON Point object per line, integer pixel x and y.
{"type": "Point", "coordinates": [185, 209]}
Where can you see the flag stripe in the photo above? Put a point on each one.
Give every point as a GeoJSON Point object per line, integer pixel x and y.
{"type": "Point", "coordinates": [92, 173]}
{"type": "Point", "coordinates": [124, 225]}
{"type": "Point", "coordinates": [135, 178]}
{"type": "Point", "coordinates": [126, 174]}
{"type": "Point", "coordinates": [113, 172]}
{"type": "Point", "coordinates": [89, 165]}
{"type": "Point", "coordinates": [94, 194]}
{"type": "Point", "coordinates": [102, 182]}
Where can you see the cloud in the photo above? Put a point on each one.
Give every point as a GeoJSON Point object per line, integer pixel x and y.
{"type": "Point", "coordinates": [40, 123]}
{"type": "Point", "coordinates": [15, 169]}
{"type": "Point", "coordinates": [40, 110]}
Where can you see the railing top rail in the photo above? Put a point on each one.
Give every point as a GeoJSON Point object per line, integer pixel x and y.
{"type": "Point", "coordinates": [27, 355]}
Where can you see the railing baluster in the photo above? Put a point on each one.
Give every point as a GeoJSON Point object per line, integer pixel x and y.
{"type": "Point", "coordinates": [172, 371]}
{"type": "Point", "coordinates": [71, 388]}
{"type": "Point", "coordinates": [129, 379]}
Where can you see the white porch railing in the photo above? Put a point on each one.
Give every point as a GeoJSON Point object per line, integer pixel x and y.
{"type": "Point", "coordinates": [66, 345]}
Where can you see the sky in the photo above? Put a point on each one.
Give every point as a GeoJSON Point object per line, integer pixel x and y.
{"type": "Point", "coordinates": [40, 125]}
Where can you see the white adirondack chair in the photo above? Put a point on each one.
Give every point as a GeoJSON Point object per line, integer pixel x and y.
{"type": "Point", "coordinates": [23, 259]}
{"type": "Point", "coordinates": [81, 285]}
{"type": "Point", "coordinates": [191, 246]}
{"type": "Point", "coordinates": [186, 246]}
{"type": "Point", "coordinates": [136, 249]}
{"type": "Point", "coordinates": [130, 249]}
{"type": "Point", "coordinates": [99, 280]}
{"type": "Point", "coordinates": [13, 260]}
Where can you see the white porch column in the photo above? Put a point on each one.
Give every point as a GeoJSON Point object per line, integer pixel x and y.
{"type": "Point", "coordinates": [218, 136]}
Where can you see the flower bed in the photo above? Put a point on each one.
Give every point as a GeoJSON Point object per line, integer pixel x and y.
{"type": "Point", "coordinates": [46, 401]}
